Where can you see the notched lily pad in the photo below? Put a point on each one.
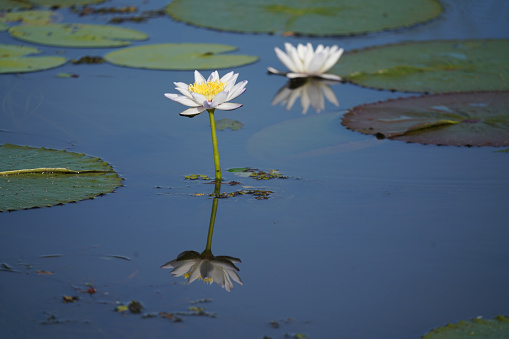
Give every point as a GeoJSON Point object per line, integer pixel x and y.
{"type": "Point", "coordinates": [39, 177]}
{"type": "Point", "coordinates": [310, 17]}
{"type": "Point", "coordinates": [475, 328]}
{"type": "Point", "coordinates": [456, 119]}
{"type": "Point", "coordinates": [77, 35]}
{"type": "Point", "coordinates": [185, 56]}
{"type": "Point", "coordinates": [34, 17]}
{"type": "Point", "coordinates": [13, 59]}
{"type": "Point", "coordinates": [429, 66]}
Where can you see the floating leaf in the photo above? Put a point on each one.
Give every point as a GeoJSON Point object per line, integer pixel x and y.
{"type": "Point", "coordinates": [475, 328]}
{"type": "Point", "coordinates": [313, 17]}
{"type": "Point", "coordinates": [29, 17]}
{"type": "Point", "coordinates": [304, 137]}
{"type": "Point", "coordinates": [13, 59]}
{"type": "Point", "coordinates": [179, 57]}
{"type": "Point", "coordinates": [26, 4]}
{"type": "Point", "coordinates": [37, 177]}
{"type": "Point", "coordinates": [7, 5]}
{"type": "Point", "coordinates": [430, 66]}
{"type": "Point", "coordinates": [459, 119]}
{"type": "Point", "coordinates": [225, 123]}
{"type": "Point", "coordinates": [77, 35]}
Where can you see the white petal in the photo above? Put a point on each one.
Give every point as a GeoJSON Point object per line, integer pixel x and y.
{"type": "Point", "coordinates": [297, 75]}
{"type": "Point", "coordinates": [181, 85]}
{"type": "Point", "coordinates": [317, 63]}
{"type": "Point", "coordinates": [275, 71]}
{"type": "Point", "coordinates": [198, 77]}
{"type": "Point", "coordinates": [237, 90]}
{"type": "Point", "coordinates": [207, 269]}
{"type": "Point", "coordinates": [194, 273]}
{"type": "Point", "coordinates": [331, 60]}
{"type": "Point", "coordinates": [213, 76]}
{"type": "Point", "coordinates": [231, 82]}
{"type": "Point", "coordinates": [333, 77]}
{"type": "Point", "coordinates": [228, 106]}
{"type": "Point", "coordinates": [220, 97]}
{"type": "Point", "coordinates": [235, 277]}
{"type": "Point", "coordinates": [228, 76]}
{"type": "Point", "coordinates": [209, 104]}
{"type": "Point", "coordinates": [183, 268]}
{"type": "Point", "coordinates": [305, 100]}
{"type": "Point", "coordinates": [297, 62]}
{"type": "Point", "coordinates": [281, 96]}
{"type": "Point", "coordinates": [181, 99]}
{"type": "Point", "coordinates": [199, 98]}
{"type": "Point", "coordinates": [329, 94]}
{"type": "Point", "coordinates": [185, 92]}
{"type": "Point", "coordinates": [285, 59]}
{"type": "Point", "coordinates": [191, 112]}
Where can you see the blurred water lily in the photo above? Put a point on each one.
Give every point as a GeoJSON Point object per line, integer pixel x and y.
{"type": "Point", "coordinates": [305, 62]}
{"type": "Point", "coordinates": [310, 91]}
{"type": "Point", "coordinates": [205, 266]}
{"type": "Point", "coordinates": [208, 94]}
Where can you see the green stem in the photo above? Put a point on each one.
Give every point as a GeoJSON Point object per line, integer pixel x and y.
{"type": "Point", "coordinates": [214, 145]}
{"type": "Point", "coordinates": [212, 219]}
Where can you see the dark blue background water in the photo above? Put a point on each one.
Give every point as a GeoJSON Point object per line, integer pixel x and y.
{"type": "Point", "coordinates": [374, 239]}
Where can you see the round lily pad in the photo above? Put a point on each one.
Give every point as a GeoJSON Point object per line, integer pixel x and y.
{"type": "Point", "coordinates": [38, 177]}
{"type": "Point", "coordinates": [310, 17]}
{"type": "Point", "coordinates": [457, 119]}
{"type": "Point", "coordinates": [185, 56]}
{"type": "Point", "coordinates": [77, 35]}
{"type": "Point", "coordinates": [429, 66]}
{"type": "Point", "coordinates": [305, 137]}
{"type": "Point", "coordinates": [476, 328]}
{"type": "Point", "coordinates": [29, 17]}
{"type": "Point", "coordinates": [13, 59]}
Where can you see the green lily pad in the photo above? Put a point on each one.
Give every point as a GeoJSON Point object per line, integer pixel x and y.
{"type": "Point", "coordinates": [308, 136]}
{"type": "Point", "coordinates": [38, 177]}
{"type": "Point", "coordinates": [310, 17]}
{"type": "Point", "coordinates": [29, 17]}
{"type": "Point", "coordinates": [476, 328]}
{"type": "Point", "coordinates": [225, 123]}
{"type": "Point", "coordinates": [77, 35]}
{"type": "Point", "coordinates": [7, 5]}
{"type": "Point", "coordinates": [457, 119]}
{"type": "Point", "coordinates": [186, 56]}
{"type": "Point", "coordinates": [430, 66]}
{"type": "Point", "coordinates": [13, 59]}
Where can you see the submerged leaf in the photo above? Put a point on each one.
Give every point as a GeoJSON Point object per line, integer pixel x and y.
{"type": "Point", "coordinates": [35, 177]}
{"type": "Point", "coordinates": [185, 56]}
{"type": "Point", "coordinates": [475, 328]}
{"type": "Point", "coordinates": [429, 66]}
{"type": "Point", "coordinates": [313, 17]}
{"type": "Point", "coordinates": [458, 119]}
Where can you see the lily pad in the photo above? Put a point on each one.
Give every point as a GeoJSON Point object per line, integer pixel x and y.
{"type": "Point", "coordinates": [310, 17]}
{"type": "Point", "coordinates": [476, 328]}
{"type": "Point", "coordinates": [77, 35]}
{"type": "Point", "coordinates": [305, 137]}
{"type": "Point", "coordinates": [225, 123]}
{"type": "Point", "coordinates": [185, 56]}
{"type": "Point", "coordinates": [429, 66]}
{"type": "Point", "coordinates": [29, 17]}
{"type": "Point", "coordinates": [38, 177]}
{"type": "Point", "coordinates": [13, 59]}
{"type": "Point", "coordinates": [6, 5]}
{"type": "Point", "coordinates": [458, 119]}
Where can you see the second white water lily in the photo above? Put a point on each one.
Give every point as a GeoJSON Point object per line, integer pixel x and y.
{"type": "Point", "coordinates": [303, 61]}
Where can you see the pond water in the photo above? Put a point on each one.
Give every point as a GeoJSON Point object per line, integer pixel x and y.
{"type": "Point", "coordinates": [364, 239]}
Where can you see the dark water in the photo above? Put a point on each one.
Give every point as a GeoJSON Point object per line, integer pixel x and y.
{"type": "Point", "coordinates": [365, 239]}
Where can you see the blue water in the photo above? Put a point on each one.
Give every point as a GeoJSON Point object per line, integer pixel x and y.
{"type": "Point", "coordinates": [365, 239]}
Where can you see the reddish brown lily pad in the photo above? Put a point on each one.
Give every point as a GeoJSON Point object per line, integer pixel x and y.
{"type": "Point", "coordinates": [457, 119]}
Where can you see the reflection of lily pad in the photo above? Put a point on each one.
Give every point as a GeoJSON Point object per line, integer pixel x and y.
{"type": "Point", "coordinates": [13, 59]}
{"type": "Point", "coordinates": [77, 35]}
{"type": "Point", "coordinates": [179, 57]}
{"type": "Point", "coordinates": [29, 17]}
{"type": "Point", "coordinates": [476, 328]}
{"type": "Point", "coordinates": [304, 137]}
{"type": "Point", "coordinates": [37, 177]}
{"type": "Point", "coordinates": [431, 66]}
{"type": "Point", "coordinates": [458, 119]}
{"type": "Point", "coordinates": [314, 17]}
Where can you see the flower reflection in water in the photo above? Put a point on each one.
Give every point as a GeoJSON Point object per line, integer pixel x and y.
{"type": "Point", "coordinates": [311, 92]}
{"type": "Point", "coordinates": [205, 266]}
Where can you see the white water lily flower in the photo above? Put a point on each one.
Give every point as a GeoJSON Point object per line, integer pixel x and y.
{"type": "Point", "coordinates": [311, 92]}
{"type": "Point", "coordinates": [193, 265]}
{"type": "Point", "coordinates": [304, 62]}
{"type": "Point", "coordinates": [208, 94]}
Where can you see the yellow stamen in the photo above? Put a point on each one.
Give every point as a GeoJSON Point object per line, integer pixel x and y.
{"type": "Point", "coordinates": [208, 89]}
{"type": "Point", "coordinates": [207, 281]}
